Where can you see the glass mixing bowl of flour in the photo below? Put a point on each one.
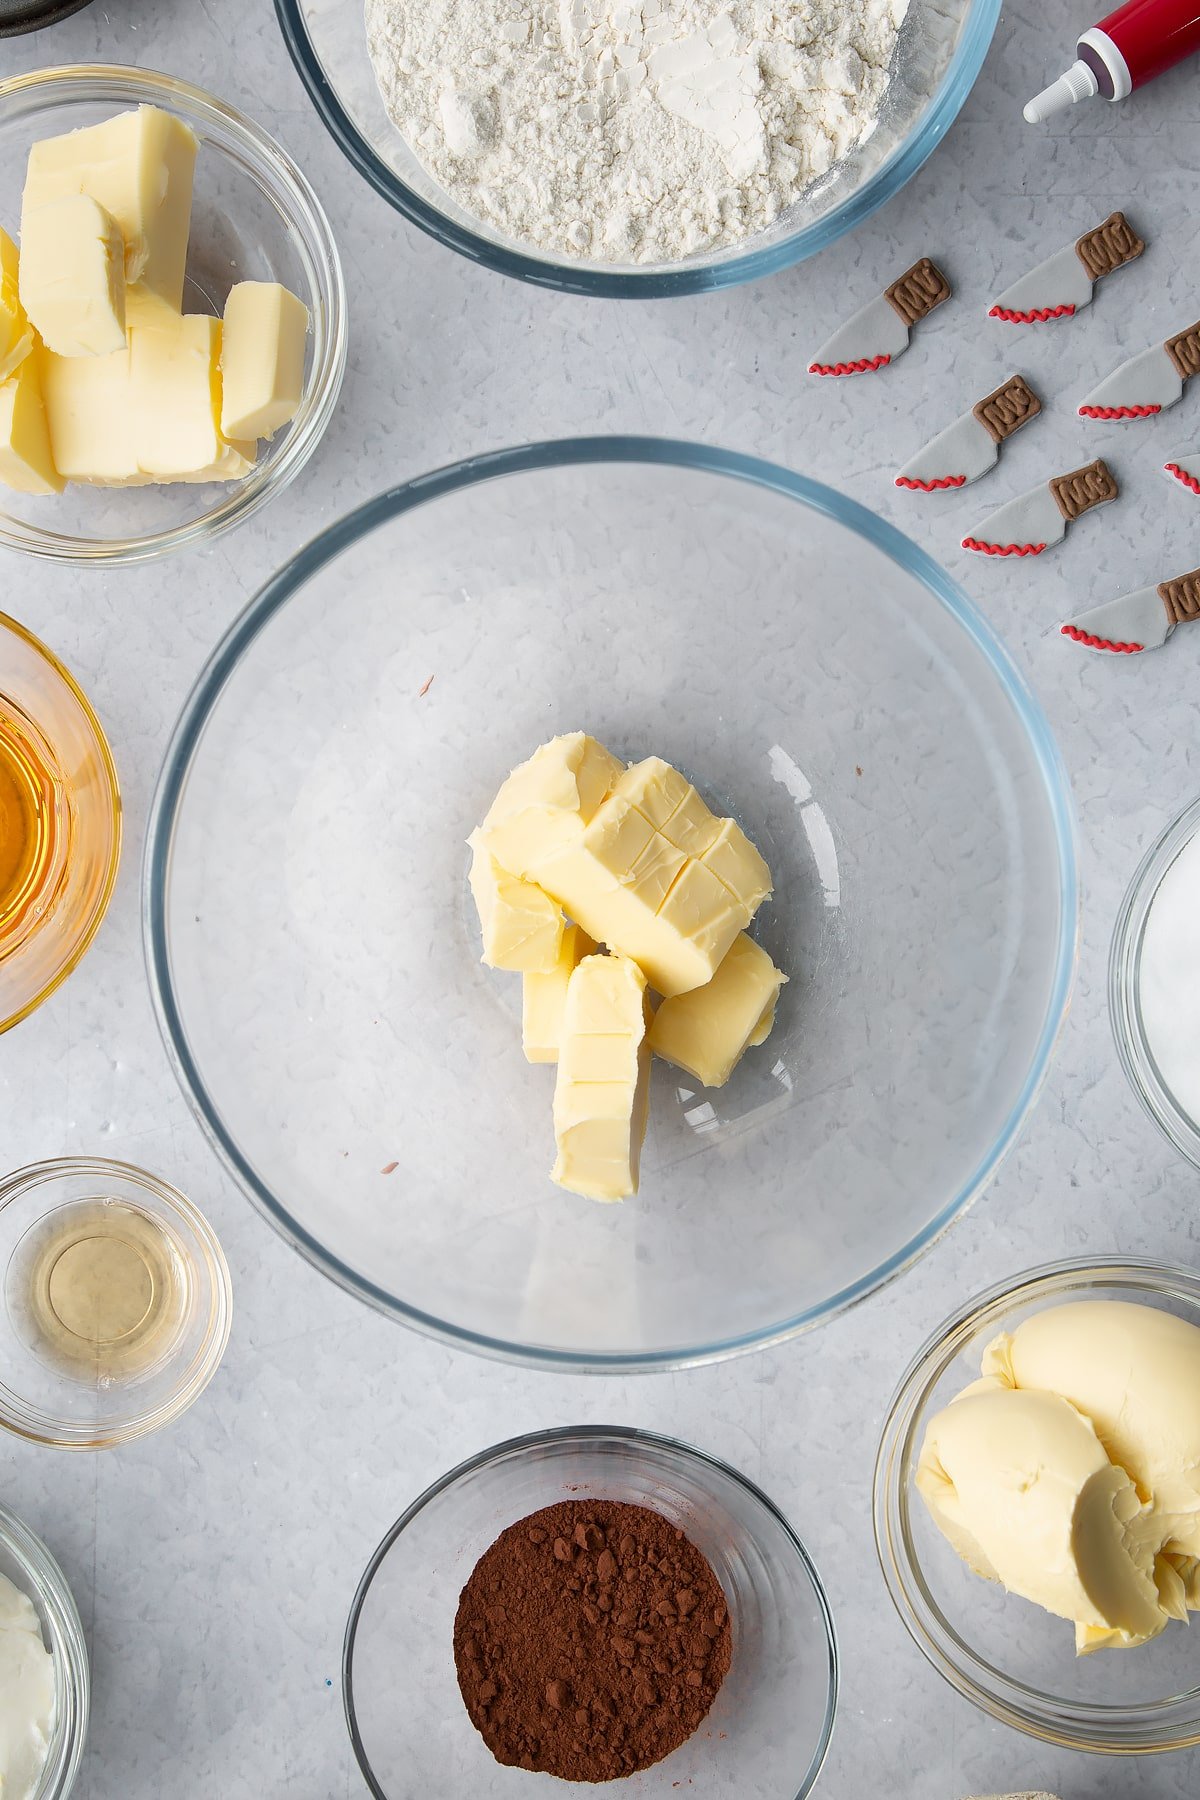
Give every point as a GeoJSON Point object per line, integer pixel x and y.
{"type": "Point", "coordinates": [750, 179]}
{"type": "Point", "coordinates": [314, 951]}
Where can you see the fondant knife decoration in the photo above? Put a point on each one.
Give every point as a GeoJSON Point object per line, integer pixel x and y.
{"type": "Point", "coordinates": [879, 333]}
{"type": "Point", "coordinates": [970, 447]}
{"type": "Point", "coordinates": [1183, 466]}
{"type": "Point", "coordinates": [1140, 621]}
{"type": "Point", "coordinates": [1032, 522]}
{"type": "Point", "coordinates": [1148, 382]}
{"type": "Point", "coordinates": [1065, 282]}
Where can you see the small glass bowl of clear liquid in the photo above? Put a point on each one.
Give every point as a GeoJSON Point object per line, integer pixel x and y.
{"type": "Point", "coordinates": [117, 1303]}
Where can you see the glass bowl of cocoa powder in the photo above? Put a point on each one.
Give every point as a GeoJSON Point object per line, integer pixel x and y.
{"type": "Point", "coordinates": [747, 1580]}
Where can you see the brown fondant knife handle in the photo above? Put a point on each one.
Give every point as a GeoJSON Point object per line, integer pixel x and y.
{"type": "Point", "coordinates": [1084, 488]}
{"type": "Point", "coordinates": [1181, 597]}
{"type": "Point", "coordinates": [918, 291]}
{"type": "Point", "coordinates": [1184, 351]}
{"type": "Point", "coordinates": [1109, 246]}
{"type": "Point", "coordinates": [1007, 408]}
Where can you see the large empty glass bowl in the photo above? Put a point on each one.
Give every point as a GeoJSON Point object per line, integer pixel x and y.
{"type": "Point", "coordinates": [315, 956]}
{"type": "Point", "coordinates": [938, 55]}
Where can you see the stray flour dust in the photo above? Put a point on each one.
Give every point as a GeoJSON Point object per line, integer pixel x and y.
{"type": "Point", "coordinates": [631, 130]}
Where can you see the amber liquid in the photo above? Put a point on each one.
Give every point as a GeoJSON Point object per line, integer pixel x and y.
{"type": "Point", "coordinates": [34, 820]}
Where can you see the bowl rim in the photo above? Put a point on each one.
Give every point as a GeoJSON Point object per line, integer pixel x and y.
{"type": "Point", "coordinates": [535, 457]}
{"type": "Point", "coordinates": [109, 768]}
{"type": "Point", "coordinates": [53, 1434]}
{"type": "Point", "coordinates": [59, 1616]}
{"type": "Point", "coordinates": [290, 191]}
{"type": "Point", "coordinates": [1124, 986]}
{"type": "Point", "coordinates": [1097, 1727]}
{"type": "Point", "coordinates": [586, 1435]}
{"type": "Point", "coordinates": [627, 283]}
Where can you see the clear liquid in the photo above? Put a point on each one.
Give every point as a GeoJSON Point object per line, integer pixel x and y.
{"type": "Point", "coordinates": [98, 1290]}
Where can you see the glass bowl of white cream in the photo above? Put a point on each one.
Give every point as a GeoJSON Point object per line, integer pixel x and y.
{"type": "Point", "coordinates": [1154, 983]}
{"type": "Point", "coordinates": [996, 1641]}
{"type": "Point", "coordinates": [45, 1684]}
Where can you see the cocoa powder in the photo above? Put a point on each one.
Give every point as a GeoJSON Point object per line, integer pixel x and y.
{"type": "Point", "coordinates": [590, 1640]}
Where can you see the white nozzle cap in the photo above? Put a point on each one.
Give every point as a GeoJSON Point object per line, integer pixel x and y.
{"type": "Point", "coordinates": [1079, 83]}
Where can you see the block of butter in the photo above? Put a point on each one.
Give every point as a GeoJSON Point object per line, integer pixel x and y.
{"type": "Point", "coordinates": [522, 928]}
{"type": "Point", "coordinates": [16, 336]}
{"type": "Point", "coordinates": [72, 276]}
{"type": "Point", "coordinates": [706, 1031]}
{"type": "Point", "coordinates": [262, 359]}
{"type": "Point", "coordinates": [139, 167]}
{"type": "Point", "coordinates": [657, 876]}
{"type": "Point", "coordinates": [544, 997]}
{"type": "Point", "coordinates": [542, 808]}
{"type": "Point", "coordinates": [92, 427]}
{"type": "Point", "coordinates": [601, 1094]}
{"type": "Point", "coordinates": [26, 460]}
{"type": "Point", "coordinates": [175, 395]}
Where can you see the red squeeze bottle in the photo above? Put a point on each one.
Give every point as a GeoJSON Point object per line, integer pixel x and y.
{"type": "Point", "coordinates": [1122, 52]}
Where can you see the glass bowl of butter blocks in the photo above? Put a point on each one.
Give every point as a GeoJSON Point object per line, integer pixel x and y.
{"type": "Point", "coordinates": [1048, 1433]}
{"type": "Point", "coordinates": [172, 316]}
{"type": "Point", "coordinates": [849, 732]}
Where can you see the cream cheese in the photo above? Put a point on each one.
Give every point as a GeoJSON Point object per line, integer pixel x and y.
{"type": "Point", "coordinates": [28, 1703]}
{"type": "Point", "coordinates": [1070, 1472]}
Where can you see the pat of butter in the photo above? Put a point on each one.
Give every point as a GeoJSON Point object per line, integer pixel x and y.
{"type": "Point", "coordinates": [601, 1094]}
{"type": "Point", "coordinates": [262, 359]}
{"type": "Point", "coordinates": [543, 807]}
{"type": "Point", "coordinates": [72, 276]}
{"type": "Point", "coordinates": [544, 998]}
{"type": "Point", "coordinates": [138, 166]}
{"type": "Point", "coordinates": [705, 1032]}
{"type": "Point", "coordinates": [91, 420]}
{"type": "Point", "coordinates": [233, 463]}
{"type": "Point", "coordinates": [16, 337]}
{"type": "Point", "coordinates": [675, 908]}
{"type": "Point", "coordinates": [1022, 1487]}
{"type": "Point", "coordinates": [522, 928]}
{"type": "Point", "coordinates": [26, 459]}
{"type": "Point", "coordinates": [175, 395]}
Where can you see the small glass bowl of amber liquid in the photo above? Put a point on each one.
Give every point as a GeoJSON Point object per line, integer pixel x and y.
{"type": "Point", "coordinates": [60, 823]}
{"type": "Point", "coordinates": [117, 1303]}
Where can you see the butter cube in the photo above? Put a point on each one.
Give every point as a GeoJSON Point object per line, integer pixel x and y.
{"type": "Point", "coordinates": [91, 419]}
{"type": "Point", "coordinates": [262, 359]}
{"type": "Point", "coordinates": [175, 395]}
{"type": "Point", "coordinates": [26, 460]}
{"type": "Point", "coordinates": [72, 280]}
{"type": "Point", "coordinates": [16, 336]}
{"type": "Point", "coordinates": [707, 1031]}
{"type": "Point", "coordinates": [665, 797]}
{"type": "Point", "coordinates": [601, 1094]}
{"type": "Point", "coordinates": [522, 928]}
{"type": "Point", "coordinates": [139, 167]}
{"type": "Point", "coordinates": [543, 807]}
{"type": "Point", "coordinates": [733, 859]}
{"type": "Point", "coordinates": [544, 998]}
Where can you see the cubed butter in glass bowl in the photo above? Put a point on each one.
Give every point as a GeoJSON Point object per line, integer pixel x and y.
{"type": "Point", "coordinates": [254, 219]}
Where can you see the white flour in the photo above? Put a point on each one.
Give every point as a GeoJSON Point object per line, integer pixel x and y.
{"type": "Point", "coordinates": [631, 130]}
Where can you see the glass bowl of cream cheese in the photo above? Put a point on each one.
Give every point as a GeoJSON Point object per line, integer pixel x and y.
{"type": "Point", "coordinates": [1036, 1503]}
{"type": "Point", "coordinates": [45, 1684]}
{"type": "Point", "coordinates": [638, 151]}
{"type": "Point", "coordinates": [1154, 983]}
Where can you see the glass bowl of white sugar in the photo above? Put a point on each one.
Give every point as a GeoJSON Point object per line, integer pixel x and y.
{"type": "Point", "coordinates": [1154, 983]}
{"type": "Point", "coordinates": [644, 149]}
